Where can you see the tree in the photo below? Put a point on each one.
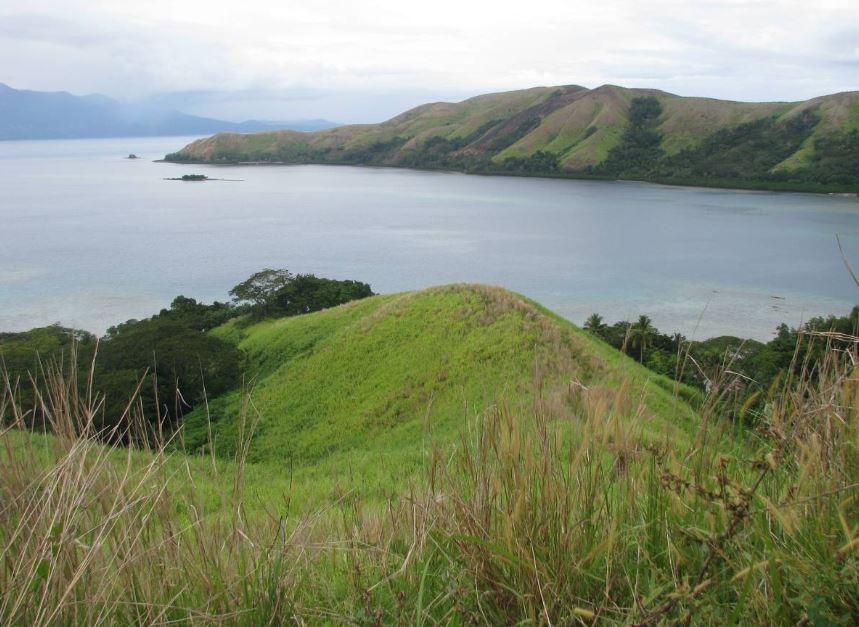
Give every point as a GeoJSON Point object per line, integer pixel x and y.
{"type": "Point", "coordinates": [25, 357]}
{"type": "Point", "coordinates": [639, 148]}
{"type": "Point", "coordinates": [595, 324]}
{"type": "Point", "coordinates": [641, 334]}
{"type": "Point", "coordinates": [539, 162]}
{"type": "Point", "coordinates": [200, 316]}
{"type": "Point", "coordinates": [181, 365]}
{"type": "Point", "coordinates": [281, 293]}
{"type": "Point", "coordinates": [306, 293]}
{"type": "Point", "coordinates": [260, 288]}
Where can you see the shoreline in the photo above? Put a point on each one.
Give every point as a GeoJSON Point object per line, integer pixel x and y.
{"type": "Point", "coordinates": [726, 185]}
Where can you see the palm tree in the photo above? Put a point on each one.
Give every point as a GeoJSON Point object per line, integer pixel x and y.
{"type": "Point", "coordinates": [641, 334]}
{"type": "Point", "coordinates": [595, 324]}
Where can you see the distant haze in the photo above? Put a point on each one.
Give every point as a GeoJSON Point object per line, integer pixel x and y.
{"type": "Point", "coordinates": [59, 115]}
{"type": "Point", "coordinates": [365, 61]}
{"type": "Point", "coordinates": [302, 103]}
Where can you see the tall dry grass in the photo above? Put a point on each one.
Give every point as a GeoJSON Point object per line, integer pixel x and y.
{"type": "Point", "coordinates": [92, 534]}
{"type": "Point", "coordinates": [574, 513]}
{"type": "Point", "coordinates": [593, 522]}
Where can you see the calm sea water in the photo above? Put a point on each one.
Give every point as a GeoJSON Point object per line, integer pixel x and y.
{"type": "Point", "coordinates": [89, 239]}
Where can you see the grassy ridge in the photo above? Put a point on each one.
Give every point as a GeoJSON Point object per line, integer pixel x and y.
{"type": "Point", "coordinates": [355, 397]}
{"type": "Point", "coordinates": [571, 131]}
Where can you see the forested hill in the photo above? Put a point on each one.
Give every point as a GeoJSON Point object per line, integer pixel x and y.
{"type": "Point", "coordinates": [607, 132]}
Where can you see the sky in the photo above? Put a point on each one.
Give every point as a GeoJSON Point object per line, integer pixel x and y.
{"type": "Point", "coordinates": [364, 61]}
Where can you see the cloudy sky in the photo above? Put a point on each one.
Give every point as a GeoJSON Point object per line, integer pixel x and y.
{"type": "Point", "coordinates": [365, 60]}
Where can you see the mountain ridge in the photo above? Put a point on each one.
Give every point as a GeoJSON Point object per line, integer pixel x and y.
{"type": "Point", "coordinates": [28, 114]}
{"type": "Point", "coordinates": [579, 132]}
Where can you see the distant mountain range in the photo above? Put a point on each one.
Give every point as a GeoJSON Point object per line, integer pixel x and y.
{"type": "Point", "coordinates": [608, 132]}
{"type": "Point", "coordinates": [59, 115]}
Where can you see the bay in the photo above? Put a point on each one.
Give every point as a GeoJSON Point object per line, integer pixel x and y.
{"type": "Point", "coordinates": [89, 238]}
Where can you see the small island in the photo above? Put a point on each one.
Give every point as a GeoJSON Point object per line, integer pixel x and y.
{"type": "Point", "coordinates": [132, 156]}
{"type": "Point", "coordinates": [197, 177]}
{"type": "Point", "coordinates": [191, 177]}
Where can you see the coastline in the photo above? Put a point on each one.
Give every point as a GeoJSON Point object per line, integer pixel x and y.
{"type": "Point", "coordinates": [739, 185]}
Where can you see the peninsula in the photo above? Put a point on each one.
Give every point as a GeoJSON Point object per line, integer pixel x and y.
{"type": "Point", "coordinates": [609, 132]}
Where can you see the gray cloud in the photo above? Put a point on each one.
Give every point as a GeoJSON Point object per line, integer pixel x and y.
{"type": "Point", "coordinates": [290, 59]}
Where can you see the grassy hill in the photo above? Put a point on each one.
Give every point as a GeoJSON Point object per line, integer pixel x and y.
{"type": "Point", "coordinates": [356, 397]}
{"type": "Point", "coordinates": [574, 131]}
{"type": "Point", "coordinates": [453, 455]}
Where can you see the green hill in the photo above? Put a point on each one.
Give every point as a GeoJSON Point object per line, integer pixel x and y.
{"type": "Point", "coordinates": [358, 395]}
{"type": "Point", "coordinates": [453, 455]}
{"type": "Point", "coordinates": [574, 131]}
{"type": "Point", "coordinates": [355, 399]}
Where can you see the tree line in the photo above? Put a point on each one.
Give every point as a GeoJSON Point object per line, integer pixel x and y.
{"type": "Point", "coordinates": [748, 371]}
{"type": "Point", "coordinates": [169, 363]}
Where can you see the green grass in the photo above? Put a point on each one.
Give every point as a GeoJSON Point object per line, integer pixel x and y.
{"type": "Point", "coordinates": [387, 491]}
{"type": "Point", "coordinates": [353, 399]}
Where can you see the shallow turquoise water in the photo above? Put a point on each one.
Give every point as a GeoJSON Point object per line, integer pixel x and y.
{"type": "Point", "coordinates": [90, 239]}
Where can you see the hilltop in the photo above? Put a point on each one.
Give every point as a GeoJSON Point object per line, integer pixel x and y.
{"type": "Point", "coordinates": [607, 132]}
{"type": "Point", "coordinates": [358, 395]}
{"type": "Point", "coordinates": [356, 398]}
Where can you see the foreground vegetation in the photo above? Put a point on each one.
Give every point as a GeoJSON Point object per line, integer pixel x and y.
{"type": "Point", "coordinates": [556, 515]}
{"type": "Point", "coordinates": [576, 489]}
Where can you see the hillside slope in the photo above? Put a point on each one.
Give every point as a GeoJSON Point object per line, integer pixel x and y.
{"type": "Point", "coordinates": [359, 395]}
{"type": "Point", "coordinates": [549, 509]}
{"type": "Point", "coordinates": [607, 132]}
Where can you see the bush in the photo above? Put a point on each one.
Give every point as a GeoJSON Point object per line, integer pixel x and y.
{"type": "Point", "coordinates": [175, 364]}
{"type": "Point", "coordinates": [755, 366]}
{"type": "Point", "coordinates": [25, 355]}
{"type": "Point", "coordinates": [280, 293]}
{"type": "Point", "coordinates": [307, 293]}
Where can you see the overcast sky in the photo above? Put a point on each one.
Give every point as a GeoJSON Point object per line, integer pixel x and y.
{"type": "Point", "coordinates": [365, 60]}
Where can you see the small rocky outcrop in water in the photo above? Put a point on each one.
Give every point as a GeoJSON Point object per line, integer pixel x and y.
{"type": "Point", "coordinates": [197, 177]}
{"type": "Point", "coordinates": [132, 156]}
{"type": "Point", "coordinates": [190, 177]}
